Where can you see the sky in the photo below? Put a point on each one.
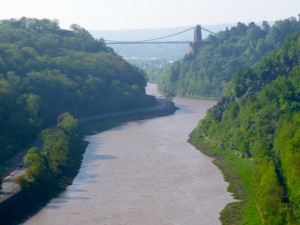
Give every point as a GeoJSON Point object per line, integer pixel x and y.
{"type": "Point", "coordinates": [138, 14]}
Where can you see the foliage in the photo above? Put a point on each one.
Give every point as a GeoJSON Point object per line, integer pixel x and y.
{"type": "Point", "coordinates": [238, 172]}
{"type": "Point", "coordinates": [48, 163]}
{"type": "Point", "coordinates": [45, 71]}
{"type": "Point", "coordinates": [259, 118]}
{"type": "Point", "coordinates": [37, 171]}
{"type": "Point", "coordinates": [209, 72]}
{"type": "Point", "coordinates": [287, 140]}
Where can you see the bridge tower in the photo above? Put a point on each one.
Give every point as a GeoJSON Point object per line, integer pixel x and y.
{"type": "Point", "coordinates": [197, 39]}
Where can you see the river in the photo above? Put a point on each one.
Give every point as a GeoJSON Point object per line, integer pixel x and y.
{"type": "Point", "coordinates": [143, 173]}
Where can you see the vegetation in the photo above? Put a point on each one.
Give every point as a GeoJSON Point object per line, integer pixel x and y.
{"type": "Point", "coordinates": [45, 71]}
{"type": "Point", "coordinates": [209, 72]}
{"type": "Point", "coordinates": [45, 166]}
{"type": "Point", "coordinates": [239, 173]}
{"type": "Point", "coordinates": [253, 130]}
{"type": "Point", "coordinates": [259, 119]}
{"type": "Point", "coordinates": [50, 168]}
{"type": "Point", "coordinates": [152, 66]}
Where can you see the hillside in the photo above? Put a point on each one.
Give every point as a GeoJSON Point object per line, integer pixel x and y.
{"type": "Point", "coordinates": [209, 72]}
{"type": "Point", "coordinates": [45, 71]}
{"type": "Point", "coordinates": [258, 119]}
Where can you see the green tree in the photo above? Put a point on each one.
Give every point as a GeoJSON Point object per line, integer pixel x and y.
{"type": "Point", "coordinates": [56, 149]}
{"type": "Point", "coordinates": [67, 123]}
{"type": "Point", "coordinates": [36, 173]}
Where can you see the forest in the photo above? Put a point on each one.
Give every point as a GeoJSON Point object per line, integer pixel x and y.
{"type": "Point", "coordinates": [209, 73]}
{"type": "Point", "coordinates": [258, 118]}
{"type": "Point", "coordinates": [46, 71]}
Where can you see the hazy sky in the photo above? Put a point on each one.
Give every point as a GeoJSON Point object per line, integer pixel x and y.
{"type": "Point", "coordinates": [132, 14]}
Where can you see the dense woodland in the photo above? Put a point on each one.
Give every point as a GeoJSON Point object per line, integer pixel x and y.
{"type": "Point", "coordinates": [259, 118]}
{"type": "Point", "coordinates": [240, 47]}
{"type": "Point", "coordinates": [45, 71]}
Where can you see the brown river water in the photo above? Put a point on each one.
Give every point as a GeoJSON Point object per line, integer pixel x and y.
{"type": "Point", "coordinates": [143, 173]}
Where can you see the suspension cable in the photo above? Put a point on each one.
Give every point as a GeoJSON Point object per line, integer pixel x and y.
{"type": "Point", "coordinates": [154, 39]}
{"type": "Point", "coordinates": [208, 31]}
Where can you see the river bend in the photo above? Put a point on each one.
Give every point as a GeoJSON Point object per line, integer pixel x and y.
{"type": "Point", "coordinates": [143, 173]}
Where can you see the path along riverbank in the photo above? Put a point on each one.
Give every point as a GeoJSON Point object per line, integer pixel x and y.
{"type": "Point", "coordinates": [11, 196]}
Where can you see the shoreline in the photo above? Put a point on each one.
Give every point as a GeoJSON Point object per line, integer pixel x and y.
{"type": "Point", "coordinates": [19, 206]}
{"type": "Point", "coordinates": [161, 108]}
{"type": "Point", "coordinates": [201, 206]}
{"type": "Point", "coordinates": [237, 172]}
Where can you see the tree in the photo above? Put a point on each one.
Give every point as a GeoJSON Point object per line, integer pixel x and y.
{"type": "Point", "coordinates": [56, 149]}
{"type": "Point", "coordinates": [37, 172]}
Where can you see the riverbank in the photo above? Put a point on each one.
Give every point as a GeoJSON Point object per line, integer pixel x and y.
{"type": "Point", "coordinates": [27, 205]}
{"type": "Point", "coordinates": [161, 108]}
{"type": "Point", "coordinates": [104, 122]}
{"type": "Point", "coordinates": [238, 172]}
{"type": "Point", "coordinates": [143, 172]}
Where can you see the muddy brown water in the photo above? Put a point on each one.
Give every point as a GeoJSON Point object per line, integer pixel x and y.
{"type": "Point", "coordinates": [143, 173]}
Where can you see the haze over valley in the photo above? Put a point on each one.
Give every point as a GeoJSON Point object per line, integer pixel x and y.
{"type": "Point", "coordinates": [137, 112]}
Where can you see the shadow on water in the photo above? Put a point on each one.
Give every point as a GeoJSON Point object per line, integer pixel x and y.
{"type": "Point", "coordinates": [92, 151]}
{"type": "Point", "coordinates": [104, 157]}
{"type": "Point", "coordinates": [184, 109]}
{"type": "Point", "coordinates": [88, 177]}
{"type": "Point", "coordinates": [96, 157]}
{"type": "Point", "coordinates": [99, 125]}
{"type": "Point", "coordinates": [64, 199]}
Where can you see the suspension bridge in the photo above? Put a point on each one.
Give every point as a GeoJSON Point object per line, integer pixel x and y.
{"type": "Point", "coordinates": [194, 45]}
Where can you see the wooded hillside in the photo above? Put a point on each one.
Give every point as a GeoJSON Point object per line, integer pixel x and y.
{"type": "Point", "coordinates": [259, 118]}
{"type": "Point", "coordinates": [209, 72]}
{"type": "Point", "coordinates": [45, 71]}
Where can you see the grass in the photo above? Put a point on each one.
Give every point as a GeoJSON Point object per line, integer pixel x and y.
{"type": "Point", "coordinates": [238, 172]}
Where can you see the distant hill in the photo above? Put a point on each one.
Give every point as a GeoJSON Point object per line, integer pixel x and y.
{"type": "Point", "coordinates": [169, 52]}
